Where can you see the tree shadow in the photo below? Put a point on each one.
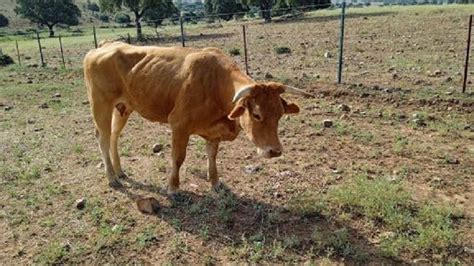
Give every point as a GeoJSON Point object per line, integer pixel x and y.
{"type": "Point", "coordinates": [250, 226]}
{"type": "Point", "coordinates": [188, 38]}
{"type": "Point", "coordinates": [330, 18]}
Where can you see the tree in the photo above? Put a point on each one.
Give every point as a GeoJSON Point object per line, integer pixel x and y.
{"type": "Point", "coordinates": [265, 8]}
{"type": "Point", "coordinates": [93, 7]}
{"type": "Point", "coordinates": [138, 7]}
{"type": "Point", "coordinates": [224, 8]}
{"type": "Point", "coordinates": [122, 18]}
{"type": "Point", "coordinates": [49, 13]}
{"type": "Point", "coordinates": [156, 15]}
{"type": "Point", "coordinates": [3, 21]}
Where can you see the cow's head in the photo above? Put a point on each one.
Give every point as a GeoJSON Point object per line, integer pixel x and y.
{"type": "Point", "coordinates": [259, 108]}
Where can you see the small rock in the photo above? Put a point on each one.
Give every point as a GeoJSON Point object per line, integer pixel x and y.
{"type": "Point", "coordinates": [327, 55]}
{"type": "Point", "coordinates": [337, 171]}
{"type": "Point", "coordinates": [29, 81]}
{"type": "Point", "coordinates": [100, 165]}
{"type": "Point", "coordinates": [57, 95]}
{"type": "Point", "coordinates": [388, 234]}
{"type": "Point", "coordinates": [421, 261]}
{"type": "Point", "coordinates": [452, 161]}
{"type": "Point", "coordinates": [81, 203]}
{"type": "Point", "coordinates": [467, 127]}
{"type": "Point", "coordinates": [252, 169]}
{"type": "Point", "coordinates": [56, 100]}
{"type": "Point", "coordinates": [44, 106]}
{"type": "Point", "coordinates": [38, 129]}
{"type": "Point", "coordinates": [327, 123]}
{"type": "Point", "coordinates": [157, 148]}
{"type": "Point", "coordinates": [85, 102]}
{"type": "Point", "coordinates": [285, 174]}
{"type": "Point", "coordinates": [449, 93]}
{"type": "Point", "coordinates": [30, 121]}
{"type": "Point", "coordinates": [268, 75]}
{"type": "Point", "coordinates": [148, 205]}
{"type": "Point", "coordinates": [448, 79]}
{"type": "Point", "coordinates": [8, 108]}
{"type": "Point", "coordinates": [344, 108]}
{"type": "Point", "coordinates": [469, 250]}
{"type": "Point", "coordinates": [419, 122]}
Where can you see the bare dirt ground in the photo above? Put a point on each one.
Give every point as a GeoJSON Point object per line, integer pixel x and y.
{"type": "Point", "coordinates": [389, 182]}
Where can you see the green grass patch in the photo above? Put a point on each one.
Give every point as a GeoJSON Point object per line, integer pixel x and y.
{"type": "Point", "coordinates": [53, 254]}
{"type": "Point", "coordinates": [414, 227]}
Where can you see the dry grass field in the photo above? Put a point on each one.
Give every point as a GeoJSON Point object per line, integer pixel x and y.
{"type": "Point", "coordinates": [390, 182]}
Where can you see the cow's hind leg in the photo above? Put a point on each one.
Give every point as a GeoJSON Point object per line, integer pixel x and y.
{"type": "Point", "coordinates": [103, 118]}
{"type": "Point", "coordinates": [119, 119]}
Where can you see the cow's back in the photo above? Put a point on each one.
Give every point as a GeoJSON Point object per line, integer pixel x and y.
{"type": "Point", "coordinates": [155, 81]}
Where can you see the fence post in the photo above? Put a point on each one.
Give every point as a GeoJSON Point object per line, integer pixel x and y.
{"type": "Point", "coordinates": [467, 55]}
{"type": "Point", "coordinates": [95, 36]}
{"type": "Point", "coordinates": [245, 50]}
{"type": "Point", "coordinates": [62, 52]}
{"type": "Point", "coordinates": [182, 30]}
{"type": "Point", "coordinates": [18, 52]}
{"type": "Point", "coordinates": [129, 40]}
{"type": "Point", "coordinates": [40, 49]}
{"type": "Point", "coordinates": [341, 43]}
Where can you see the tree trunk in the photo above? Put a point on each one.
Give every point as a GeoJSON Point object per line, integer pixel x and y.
{"type": "Point", "coordinates": [51, 31]}
{"type": "Point", "coordinates": [139, 27]}
{"type": "Point", "coordinates": [266, 6]}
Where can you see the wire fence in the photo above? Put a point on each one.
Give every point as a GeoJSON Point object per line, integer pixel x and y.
{"type": "Point", "coordinates": [297, 47]}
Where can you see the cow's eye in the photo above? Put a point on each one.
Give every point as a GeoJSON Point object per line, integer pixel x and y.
{"type": "Point", "coordinates": [257, 117]}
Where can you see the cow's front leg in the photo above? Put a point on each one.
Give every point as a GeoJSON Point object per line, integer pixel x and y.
{"type": "Point", "coordinates": [212, 148]}
{"type": "Point", "coordinates": [178, 154]}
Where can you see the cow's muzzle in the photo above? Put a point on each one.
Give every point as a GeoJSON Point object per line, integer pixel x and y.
{"type": "Point", "coordinates": [270, 152]}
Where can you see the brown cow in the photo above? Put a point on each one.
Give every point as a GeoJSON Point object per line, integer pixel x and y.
{"type": "Point", "coordinates": [196, 91]}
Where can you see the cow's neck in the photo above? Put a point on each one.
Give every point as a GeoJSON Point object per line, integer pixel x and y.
{"type": "Point", "coordinates": [240, 80]}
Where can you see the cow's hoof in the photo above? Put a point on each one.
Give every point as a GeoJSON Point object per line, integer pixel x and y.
{"type": "Point", "coordinates": [180, 198]}
{"type": "Point", "coordinates": [122, 175]}
{"type": "Point", "coordinates": [115, 184]}
{"type": "Point", "coordinates": [220, 188]}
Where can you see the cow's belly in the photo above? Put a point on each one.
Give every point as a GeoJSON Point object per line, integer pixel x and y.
{"type": "Point", "coordinates": [152, 112]}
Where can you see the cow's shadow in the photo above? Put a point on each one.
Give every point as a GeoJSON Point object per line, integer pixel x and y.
{"type": "Point", "coordinates": [229, 219]}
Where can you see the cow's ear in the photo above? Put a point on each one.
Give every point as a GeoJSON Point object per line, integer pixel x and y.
{"type": "Point", "coordinates": [290, 108]}
{"type": "Point", "coordinates": [238, 110]}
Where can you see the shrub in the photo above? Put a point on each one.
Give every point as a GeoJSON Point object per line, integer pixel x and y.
{"type": "Point", "coordinates": [234, 51]}
{"type": "Point", "coordinates": [122, 18]}
{"type": "Point", "coordinates": [282, 50]}
{"type": "Point", "coordinates": [5, 60]}
{"type": "Point", "coordinates": [3, 21]}
{"type": "Point", "coordinates": [93, 7]}
{"type": "Point", "coordinates": [104, 18]}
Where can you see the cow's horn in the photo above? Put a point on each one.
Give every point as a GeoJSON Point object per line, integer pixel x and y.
{"type": "Point", "coordinates": [293, 90]}
{"type": "Point", "coordinates": [245, 91]}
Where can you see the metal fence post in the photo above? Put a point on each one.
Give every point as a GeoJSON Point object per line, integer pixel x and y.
{"type": "Point", "coordinates": [62, 52]}
{"type": "Point", "coordinates": [466, 65]}
{"type": "Point", "coordinates": [18, 52]}
{"type": "Point", "coordinates": [341, 43]}
{"type": "Point", "coordinates": [245, 50]}
{"type": "Point", "coordinates": [129, 40]}
{"type": "Point", "coordinates": [182, 30]}
{"type": "Point", "coordinates": [40, 49]}
{"type": "Point", "coordinates": [95, 36]}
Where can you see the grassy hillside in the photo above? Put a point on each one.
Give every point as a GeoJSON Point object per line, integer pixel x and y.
{"type": "Point", "coordinates": [7, 8]}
